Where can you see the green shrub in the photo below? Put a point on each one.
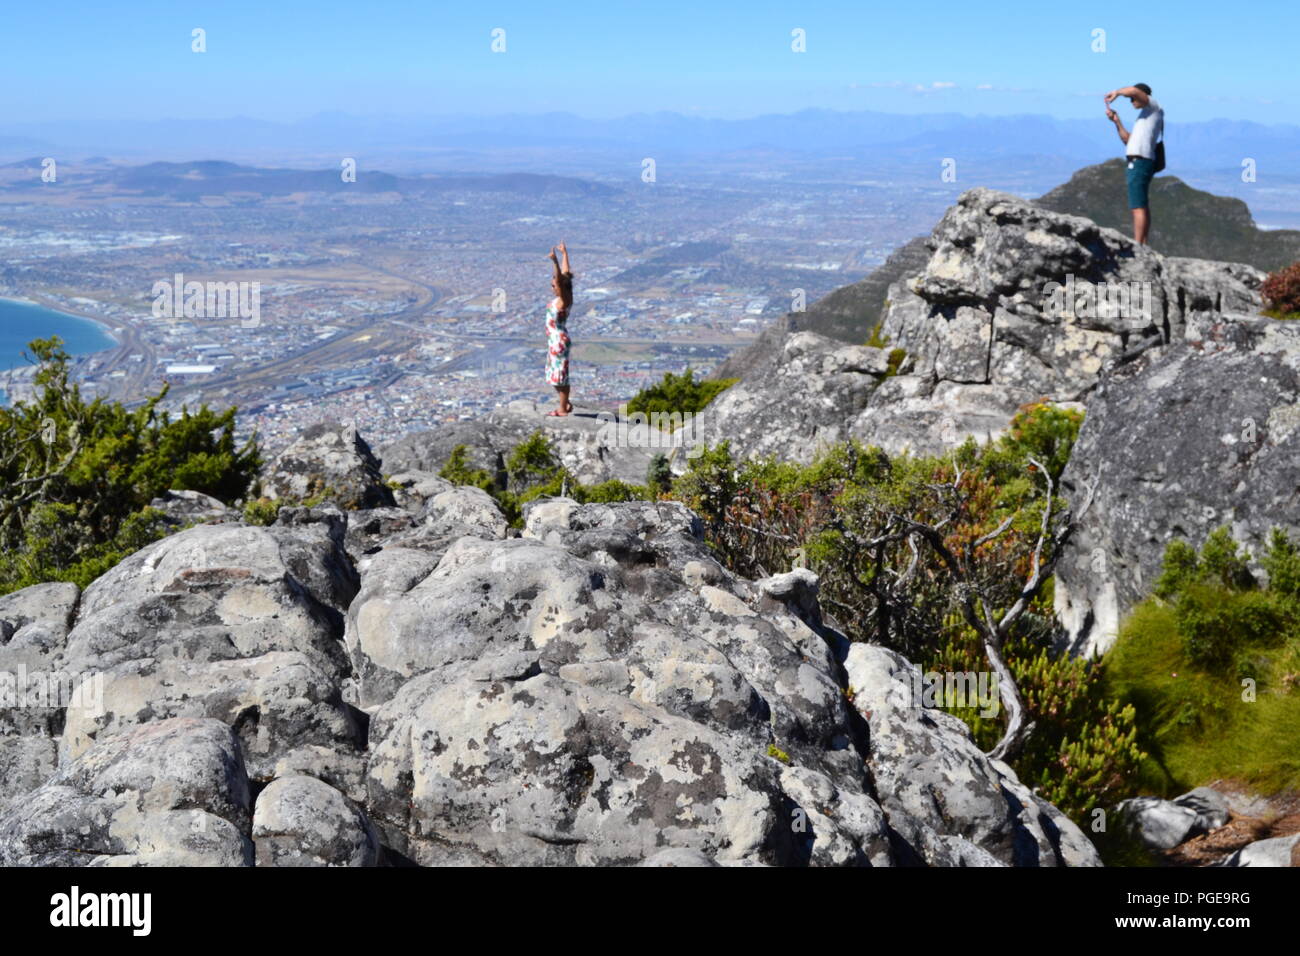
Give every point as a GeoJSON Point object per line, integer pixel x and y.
{"type": "Point", "coordinates": [678, 395]}
{"type": "Point", "coordinates": [261, 511]}
{"type": "Point", "coordinates": [1211, 664]}
{"type": "Point", "coordinates": [659, 475]}
{"type": "Point", "coordinates": [533, 471]}
{"type": "Point", "coordinates": [532, 463]}
{"type": "Point", "coordinates": [54, 550]}
{"type": "Point", "coordinates": [761, 516]}
{"type": "Point", "coordinates": [610, 491]}
{"type": "Point", "coordinates": [1281, 562]}
{"type": "Point", "coordinates": [1217, 623]}
{"type": "Point", "coordinates": [1181, 568]}
{"type": "Point", "coordinates": [458, 471]}
{"type": "Point", "coordinates": [1223, 561]}
{"type": "Point", "coordinates": [77, 476]}
{"type": "Point", "coordinates": [1084, 751]}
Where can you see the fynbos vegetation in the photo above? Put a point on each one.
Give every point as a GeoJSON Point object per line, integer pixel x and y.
{"type": "Point", "coordinates": [945, 559]}
{"type": "Point", "coordinates": [77, 476]}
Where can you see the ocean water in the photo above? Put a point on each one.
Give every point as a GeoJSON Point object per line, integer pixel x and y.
{"type": "Point", "coordinates": [20, 322]}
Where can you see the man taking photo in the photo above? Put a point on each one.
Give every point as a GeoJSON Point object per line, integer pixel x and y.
{"type": "Point", "coordinates": [1142, 145]}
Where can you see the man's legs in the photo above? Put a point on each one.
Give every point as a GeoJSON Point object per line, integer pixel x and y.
{"type": "Point", "coordinates": [1138, 176]}
{"type": "Point", "coordinates": [1141, 225]}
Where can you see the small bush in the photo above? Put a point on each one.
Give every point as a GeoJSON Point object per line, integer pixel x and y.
{"type": "Point", "coordinates": [1282, 564]}
{"type": "Point", "coordinates": [1281, 292]}
{"type": "Point", "coordinates": [261, 511]}
{"type": "Point", "coordinates": [1216, 624]}
{"type": "Point", "coordinates": [532, 470]}
{"type": "Point", "coordinates": [658, 475]}
{"type": "Point", "coordinates": [1223, 561]}
{"type": "Point", "coordinates": [776, 753]}
{"type": "Point", "coordinates": [458, 471]}
{"type": "Point", "coordinates": [761, 516]}
{"type": "Point", "coordinates": [609, 492]}
{"type": "Point", "coordinates": [77, 476]}
{"type": "Point", "coordinates": [54, 549]}
{"type": "Point", "coordinates": [678, 394]}
{"type": "Point", "coordinates": [1210, 664]}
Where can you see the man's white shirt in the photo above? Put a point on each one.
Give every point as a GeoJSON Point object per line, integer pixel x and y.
{"type": "Point", "coordinates": [1148, 129]}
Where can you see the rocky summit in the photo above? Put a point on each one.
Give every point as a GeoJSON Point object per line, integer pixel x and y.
{"type": "Point", "coordinates": [1015, 304]}
{"type": "Point", "coordinates": [397, 676]}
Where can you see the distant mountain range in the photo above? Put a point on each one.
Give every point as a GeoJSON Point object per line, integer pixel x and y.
{"type": "Point", "coordinates": [193, 180]}
{"type": "Point", "coordinates": [1203, 145]}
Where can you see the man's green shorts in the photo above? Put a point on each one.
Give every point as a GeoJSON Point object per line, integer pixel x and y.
{"type": "Point", "coordinates": [1139, 173]}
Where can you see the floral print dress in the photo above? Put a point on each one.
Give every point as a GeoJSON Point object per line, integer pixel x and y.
{"type": "Point", "coordinates": [557, 347]}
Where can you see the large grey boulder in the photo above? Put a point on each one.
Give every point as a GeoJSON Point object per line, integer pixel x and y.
{"type": "Point", "coordinates": [329, 459]}
{"type": "Point", "coordinates": [240, 624]}
{"type": "Point", "coordinates": [1212, 808]}
{"type": "Point", "coordinates": [280, 705]}
{"type": "Point", "coordinates": [171, 793]}
{"type": "Point", "coordinates": [181, 508]}
{"type": "Point", "coordinates": [1016, 304]}
{"type": "Point", "coordinates": [1159, 824]}
{"type": "Point", "coordinates": [370, 530]}
{"type": "Point", "coordinates": [411, 489]}
{"type": "Point", "coordinates": [577, 701]}
{"type": "Point", "coordinates": [803, 403]}
{"type": "Point", "coordinates": [1205, 435]}
{"type": "Point", "coordinates": [302, 552]}
{"type": "Point", "coordinates": [301, 821]}
{"type": "Point", "coordinates": [448, 514]}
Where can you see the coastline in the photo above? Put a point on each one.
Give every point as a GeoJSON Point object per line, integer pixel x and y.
{"type": "Point", "coordinates": [109, 329]}
{"type": "Point", "coordinates": [116, 339]}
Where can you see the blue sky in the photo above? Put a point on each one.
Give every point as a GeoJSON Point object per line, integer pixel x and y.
{"type": "Point", "coordinates": [288, 60]}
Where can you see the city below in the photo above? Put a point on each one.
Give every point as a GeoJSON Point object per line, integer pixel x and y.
{"type": "Point", "coordinates": [400, 303]}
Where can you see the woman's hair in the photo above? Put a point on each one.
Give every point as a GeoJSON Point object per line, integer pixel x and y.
{"type": "Point", "coordinates": [565, 280]}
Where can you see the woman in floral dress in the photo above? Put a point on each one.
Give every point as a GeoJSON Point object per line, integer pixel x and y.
{"type": "Point", "coordinates": [557, 336]}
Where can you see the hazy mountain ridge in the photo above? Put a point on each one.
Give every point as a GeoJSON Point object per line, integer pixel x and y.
{"type": "Point", "coordinates": [1201, 145]}
{"type": "Point", "coordinates": [191, 180]}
